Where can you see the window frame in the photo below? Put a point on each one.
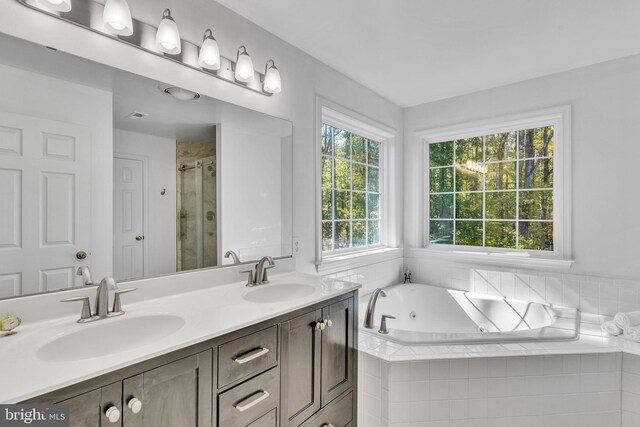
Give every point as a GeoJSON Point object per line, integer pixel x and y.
{"type": "Point", "coordinates": [340, 117]}
{"type": "Point", "coordinates": [560, 119]}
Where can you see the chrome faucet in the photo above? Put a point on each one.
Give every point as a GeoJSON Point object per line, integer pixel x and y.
{"type": "Point", "coordinates": [86, 275]}
{"type": "Point", "coordinates": [101, 307]}
{"type": "Point", "coordinates": [258, 276]}
{"type": "Point", "coordinates": [233, 255]}
{"type": "Point", "coordinates": [368, 317]}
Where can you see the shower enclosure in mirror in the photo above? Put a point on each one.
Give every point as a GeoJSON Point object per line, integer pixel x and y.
{"type": "Point", "coordinates": [128, 176]}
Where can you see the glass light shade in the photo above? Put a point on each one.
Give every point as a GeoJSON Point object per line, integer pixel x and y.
{"type": "Point", "coordinates": [244, 68]}
{"type": "Point", "coordinates": [272, 82]}
{"type": "Point", "coordinates": [168, 36]}
{"type": "Point", "coordinates": [209, 54]}
{"type": "Point", "coordinates": [57, 5]}
{"type": "Point", "coordinates": [117, 17]}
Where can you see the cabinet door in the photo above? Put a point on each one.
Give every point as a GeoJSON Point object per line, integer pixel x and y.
{"type": "Point", "coordinates": [89, 409]}
{"type": "Point", "coordinates": [337, 349]}
{"type": "Point", "coordinates": [175, 395]}
{"type": "Point", "coordinates": [300, 368]}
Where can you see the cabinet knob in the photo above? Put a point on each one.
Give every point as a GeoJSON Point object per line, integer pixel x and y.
{"type": "Point", "coordinates": [328, 322]}
{"type": "Point", "coordinates": [320, 324]}
{"type": "Point", "coordinates": [113, 414]}
{"type": "Point", "coordinates": [135, 405]}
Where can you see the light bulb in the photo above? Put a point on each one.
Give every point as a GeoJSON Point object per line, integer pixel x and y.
{"type": "Point", "coordinates": [209, 57]}
{"type": "Point", "coordinates": [244, 66]}
{"type": "Point", "coordinates": [272, 82]}
{"type": "Point", "coordinates": [168, 36]}
{"type": "Point", "coordinates": [57, 5]}
{"type": "Point", "coordinates": [117, 17]}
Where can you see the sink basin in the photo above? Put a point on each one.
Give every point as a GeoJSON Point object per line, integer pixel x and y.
{"type": "Point", "coordinates": [109, 336]}
{"type": "Point", "coordinates": [278, 293]}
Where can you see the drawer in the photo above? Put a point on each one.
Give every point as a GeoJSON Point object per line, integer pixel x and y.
{"type": "Point", "coordinates": [246, 356]}
{"type": "Point", "coordinates": [248, 401]}
{"type": "Point", "coordinates": [337, 414]}
{"type": "Point", "coordinates": [268, 420]}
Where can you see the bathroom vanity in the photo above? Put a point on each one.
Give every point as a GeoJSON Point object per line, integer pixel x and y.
{"type": "Point", "coordinates": [297, 368]}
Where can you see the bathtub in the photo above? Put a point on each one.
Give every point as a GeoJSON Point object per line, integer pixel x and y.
{"type": "Point", "coordinates": [432, 315]}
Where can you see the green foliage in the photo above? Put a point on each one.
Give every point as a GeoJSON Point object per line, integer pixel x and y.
{"type": "Point", "coordinates": [500, 234]}
{"type": "Point", "coordinates": [469, 149]}
{"type": "Point", "coordinates": [441, 232]}
{"type": "Point", "coordinates": [441, 154]}
{"type": "Point", "coordinates": [516, 209]}
{"type": "Point", "coordinates": [469, 205]}
{"type": "Point", "coordinates": [441, 180]}
{"type": "Point", "coordinates": [351, 183]}
{"type": "Point", "coordinates": [469, 233]}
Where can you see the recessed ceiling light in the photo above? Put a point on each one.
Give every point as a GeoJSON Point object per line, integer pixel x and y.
{"type": "Point", "coordinates": [180, 93]}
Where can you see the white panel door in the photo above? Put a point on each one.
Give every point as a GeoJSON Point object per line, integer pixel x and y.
{"type": "Point", "coordinates": [128, 218]}
{"type": "Point", "coordinates": [45, 203]}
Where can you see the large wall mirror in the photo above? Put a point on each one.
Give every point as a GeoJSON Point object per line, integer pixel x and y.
{"type": "Point", "coordinates": [129, 177]}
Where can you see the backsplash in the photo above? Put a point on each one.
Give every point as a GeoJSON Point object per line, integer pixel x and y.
{"type": "Point", "coordinates": [591, 294]}
{"type": "Point", "coordinates": [373, 276]}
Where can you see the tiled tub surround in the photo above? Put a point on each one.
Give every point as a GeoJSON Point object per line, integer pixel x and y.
{"type": "Point", "coordinates": [532, 391]}
{"type": "Point", "coordinates": [630, 390]}
{"type": "Point", "coordinates": [592, 294]}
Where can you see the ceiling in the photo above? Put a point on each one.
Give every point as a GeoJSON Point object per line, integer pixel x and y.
{"type": "Point", "coordinates": [417, 51]}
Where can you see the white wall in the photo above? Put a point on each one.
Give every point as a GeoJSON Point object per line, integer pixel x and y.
{"type": "Point", "coordinates": [250, 182]}
{"type": "Point", "coordinates": [32, 94]}
{"type": "Point", "coordinates": [159, 155]}
{"type": "Point", "coordinates": [606, 105]}
{"type": "Point", "coordinates": [303, 79]}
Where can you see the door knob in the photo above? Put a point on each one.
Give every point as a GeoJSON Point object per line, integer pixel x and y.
{"type": "Point", "coordinates": [113, 414]}
{"type": "Point", "coordinates": [81, 254]}
{"type": "Point", "coordinates": [135, 405]}
{"type": "Point", "coordinates": [138, 238]}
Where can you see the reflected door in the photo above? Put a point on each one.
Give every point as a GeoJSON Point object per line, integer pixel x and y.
{"type": "Point", "coordinates": [45, 202]}
{"type": "Point", "coordinates": [128, 218]}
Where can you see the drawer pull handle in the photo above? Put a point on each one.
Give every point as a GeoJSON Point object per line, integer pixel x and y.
{"type": "Point", "coordinates": [253, 354]}
{"type": "Point", "coordinates": [327, 425]}
{"type": "Point", "coordinates": [243, 407]}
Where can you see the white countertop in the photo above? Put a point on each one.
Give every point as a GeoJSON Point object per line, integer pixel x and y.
{"type": "Point", "coordinates": [208, 313]}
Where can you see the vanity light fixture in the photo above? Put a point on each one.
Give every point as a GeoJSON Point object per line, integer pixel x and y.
{"type": "Point", "coordinates": [244, 66]}
{"type": "Point", "coordinates": [116, 17]}
{"type": "Point", "coordinates": [57, 5]}
{"type": "Point", "coordinates": [117, 21]}
{"type": "Point", "coordinates": [272, 82]}
{"type": "Point", "coordinates": [209, 57]}
{"type": "Point", "coordinates": [168, 36]}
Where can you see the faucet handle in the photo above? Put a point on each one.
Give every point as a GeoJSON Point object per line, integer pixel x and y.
{"type": "Point", "coordinates": [265, 277]}
{"type": "Point", "coordinates": [85, 315]}
{"type": "Point", "coordinates": [383, 324]}
{"type": "Point", "coordinates": [250, 281]}
{"type": "Point", "coordinates": [117, 302]}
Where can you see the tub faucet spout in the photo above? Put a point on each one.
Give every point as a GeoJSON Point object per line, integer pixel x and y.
{"type": "Point", "coordinates": [368, 317]}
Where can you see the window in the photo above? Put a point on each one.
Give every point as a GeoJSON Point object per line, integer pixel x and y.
{"type": "Point", "coordinates": [351, 190]}
{"type": "Point", "coordinates": [499, 187]}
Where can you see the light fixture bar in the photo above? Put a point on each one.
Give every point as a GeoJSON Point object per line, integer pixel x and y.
{"type": "Point", "coordinates": [90, 11]}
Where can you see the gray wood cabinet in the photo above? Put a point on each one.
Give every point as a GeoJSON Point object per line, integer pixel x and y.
{"type": "Point", "coordinates": [175, 395]}
{"type": "Point", "coordinates": [298, 369]}
{"type": "Point", "coordinates": [89, 409]}
{"type": "Point", "coordinates": [317, 362]}
{"type": "Point", "coordinates": [301, 368]}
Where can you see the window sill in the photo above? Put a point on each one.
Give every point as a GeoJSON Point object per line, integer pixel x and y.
{"type": "Point", "coordinates": [336, 263]}
{"type": "Point", "coordinates": [492, 258]}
